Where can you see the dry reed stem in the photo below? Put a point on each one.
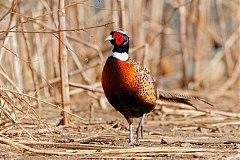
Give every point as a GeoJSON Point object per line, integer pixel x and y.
{"type": "Point", "coordinates": [86, 87]}
{"type": "Point", "coordinates": [25, 102]}
{"type": "Point", "coordinates": [96, 134]}
{"type": "Point", "coordinates": [34, 75]}
{"type": "Point", "coordinates": [64, 30]}
{"type": "Point", "coordinates": [234, 78]}
{"type": "Point", "coordinates": [45, 102]}
{"type": "Point", "coordinates": [152, 150]}
{"type": "Point", "coordinates": [199, 47]}
{"type": "Point", "coordinates": [78, 63]}
{"type": "Point", "coordinates": [162, 37]}
{"type": "Point", "coordinates": [50, 82]}
{"type": "Point", "coordinates": [14, 4]}
{"type": "Point", "coordinates": [226, 47]}
{"type": "Point", "coordinates": [159, 102]}
{"type": "Point", "coordinates": [123, 18]}
{"type": "Point", "coordinates": [115, 14]}
{"type": "Point", "coordinates": [67, 145]}
{"type": "Point", "coordinates": [133, 18]}
{"type": "Point", "coordinates": [222, 28]}
{"type": "Point", "coordinates": [183, 40]}
{"type": "Point", "coordinates": [9, 79]}
{"type": "Point", "coordinates": [193, 140]}
{"type": "Point", "coordinates": [63, 61]}
{"type": "Point", "coordinates": [204, 110]}
{"type": "Point", "coordinates": [8, 115]}
{"type": "Point", "coordinates": [88, 45]}
{"type": "Point", "coordinates": [233, 157]}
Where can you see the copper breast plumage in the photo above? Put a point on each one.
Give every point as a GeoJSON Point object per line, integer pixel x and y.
{"type": "Point", "coordinates": [128, 87]}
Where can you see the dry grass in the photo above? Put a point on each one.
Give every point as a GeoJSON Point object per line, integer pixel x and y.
{"type": "Point", "coordinates": [186, 44]}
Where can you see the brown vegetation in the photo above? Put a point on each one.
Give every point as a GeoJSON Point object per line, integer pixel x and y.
{"type": "Point", "coordinates": [191, 47]}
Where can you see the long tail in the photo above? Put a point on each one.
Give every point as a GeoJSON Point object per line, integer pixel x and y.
{"type": "Point", "coordinates": [178, 98]}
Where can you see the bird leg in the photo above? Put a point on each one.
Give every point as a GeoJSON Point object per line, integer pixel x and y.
{"type": "Point", "coordinates": [130, 122]}
{"type": "Point", "coordinates": [131, 138]}
{"type": "Point", "coordinates": [140, 127]}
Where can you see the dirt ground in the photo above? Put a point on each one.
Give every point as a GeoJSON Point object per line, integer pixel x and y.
{"type": "Point", "coordinates": [169, 133]}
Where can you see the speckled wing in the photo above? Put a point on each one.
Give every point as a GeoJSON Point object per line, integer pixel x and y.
{"type": "Point", "coordinates": [146, 89]}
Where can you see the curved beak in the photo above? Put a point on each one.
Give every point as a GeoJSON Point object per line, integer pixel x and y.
{"type": "Point", "coordinates": [109, 38]}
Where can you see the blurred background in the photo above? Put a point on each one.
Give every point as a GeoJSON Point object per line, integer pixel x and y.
{"type": "Point", "coordinates": [186, 44]}
{"type": "Point", "coordinates": [191, 47]}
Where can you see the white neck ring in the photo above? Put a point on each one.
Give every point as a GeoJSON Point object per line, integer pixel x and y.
{"type": "Point", "coordinates": [121, 56]}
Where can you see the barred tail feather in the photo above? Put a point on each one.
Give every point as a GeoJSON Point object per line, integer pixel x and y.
{"type": "Point", "coordinates": [179, 98]}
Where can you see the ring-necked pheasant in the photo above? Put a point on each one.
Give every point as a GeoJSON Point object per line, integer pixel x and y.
{"type": "Point", "coordinates": [129, 87]}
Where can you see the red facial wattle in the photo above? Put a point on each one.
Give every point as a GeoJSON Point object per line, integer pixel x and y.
{"type": "Point", "coordinates": [118, 38]}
